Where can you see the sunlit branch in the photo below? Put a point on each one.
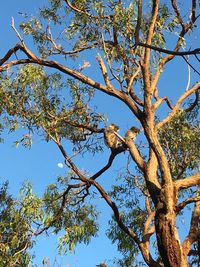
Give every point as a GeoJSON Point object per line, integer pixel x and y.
{"type": "Point", "coordinates": [104, 73]}
{"type": "Point", "coordinates": [73, 73]}
{"type": "Point", "coordinates": [21, 250]}
{"type": "Point", "coordinates": [188, 182]}
{"type": "Point", "coordinates": [135, 154]}
{"type": "Point", "coordinates": [133, 76]}
{"type": "Point", "coordinates": [151, 175]}
{"type": "Point", "coordinates": [195, 88]}
{"type": "Point", "coordinates": [148, 231]}
{"type": "Point", "coordinates": [77, 9]}
{"type": "Point", "coordinates": [146, 64]}
{"type": "Point", "coordinates": [160, 101]}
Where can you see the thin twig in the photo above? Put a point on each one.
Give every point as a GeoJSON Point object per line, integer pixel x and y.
{"type": "Point", "coordinates": [16, 31]}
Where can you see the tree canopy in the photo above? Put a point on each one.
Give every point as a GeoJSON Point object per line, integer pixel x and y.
{"type": "Point", "coordinates": [47, 88]}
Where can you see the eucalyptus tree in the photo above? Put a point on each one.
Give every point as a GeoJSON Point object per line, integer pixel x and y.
{"type": "Point", "coordinates": [15, 226]}
{"type": "Point", "coordinates": [48, 89]}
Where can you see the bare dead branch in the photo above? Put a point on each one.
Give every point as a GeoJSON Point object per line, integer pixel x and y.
{"type": "Point", "coordinates": [16, 31]}
{"type": "Point", "coordinates": [189, 77]}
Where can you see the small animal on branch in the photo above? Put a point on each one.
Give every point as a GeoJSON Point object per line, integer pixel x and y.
{"type": "Point", "coordinates": [132, 133]}
{"type": "Point", "coordinates": [111, 138]}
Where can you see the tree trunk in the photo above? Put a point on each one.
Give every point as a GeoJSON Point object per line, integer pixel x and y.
{"type": "Point", "coordinates": [168, 241]}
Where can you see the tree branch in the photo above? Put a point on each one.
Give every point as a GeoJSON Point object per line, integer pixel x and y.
{"type": "Point", "coordinates": [135, 154]}
{"type": "Point", "coordinates": [190, 65]}
{"type": "Point", "coordinates": [146, 64]}
{"type": "Point", "coordinates": [186, 202]}
{"type": "Point", "coordinates": [148, 231]}
{"type": "Point", "coordinates": [10, 53]}
{"type": "Point", "coordinates": [188, 182]}
{"type": "Point", "coordinates": [92, 129]}
{"type": "Point", "coordinates": [194, 232]}
{"type": "Point", "coordinates": [106, 167]}
{"type": "Point", "coordinates": [104, 72]}
{"type": "Point", "coordinates": [194, 104]}
{"type": "Point", "coordinates": [53, 64]}
{"type": "Point", "coordinates": [73, 73]}
{"type": "Point", "coordinates": [77, 9]}
{"type": "Point", "coordinates": [160, 101]}
{"type": "Point", "coordinates": [85, 12]}
{"type": "Point", "coordinates": [177, 105]}
{"type": "Point", "coordinates": [127, 230]}
{"type": "Point", "coordinates": [171, 52]}
{"type": "Point", "coordinates": [178, 15]}
{"type": "Point", "coordinates": [139, 21]}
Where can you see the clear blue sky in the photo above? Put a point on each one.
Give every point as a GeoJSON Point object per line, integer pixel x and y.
{"type": "Point", "coordinates": [40, 163]}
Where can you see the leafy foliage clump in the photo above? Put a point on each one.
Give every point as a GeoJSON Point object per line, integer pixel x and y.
{"type": "Point", "coordinates": [16, 237]}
